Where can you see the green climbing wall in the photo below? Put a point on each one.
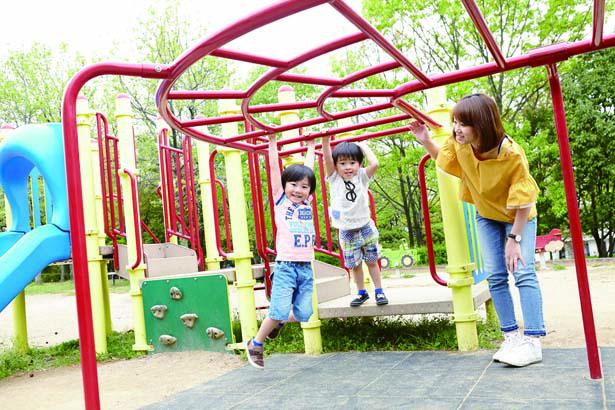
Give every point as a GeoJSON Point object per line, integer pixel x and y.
{"type": "Point", "coordinates": [205, 296]}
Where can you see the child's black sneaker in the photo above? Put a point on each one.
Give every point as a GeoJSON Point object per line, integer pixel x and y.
{"type": "Point", "coordinates": [275, 332]}
{"type": "Point", "coordinates": [359, 300]}
{"type": "Point", "coordinates": [381, 299]}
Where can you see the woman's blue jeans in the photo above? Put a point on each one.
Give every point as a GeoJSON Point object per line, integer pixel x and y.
{"type": "Point", "coordinates": [493, 236]}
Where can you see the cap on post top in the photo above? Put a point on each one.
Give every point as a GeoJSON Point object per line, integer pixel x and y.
{"type": "Point", "coordinates": [82, 105]}
{"type": "Point", "coordinates": [161, 124]}
{"type": "Point", "coordinates": [228, 107]}
{"type": "Point", "coordinates": [201, 128]}
{"type": "Point", "coordinates": [344, 122]}
{"type": "Point", "coordinates": [436, 98]}
{"type": "Point", "coordinates": [286, 95]}
{"type": "Point", "coordinates": [122, 105]}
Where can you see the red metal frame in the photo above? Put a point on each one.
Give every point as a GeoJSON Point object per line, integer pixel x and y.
{"type": "Point", "coordinates": [431, 256]}
{"type": "Point", "coordinates": [181, 215]}
{"type": "Point", "coordinates": [136, 217]}
{"type": "Point", "coordinates": [593, 355]}
{"type": "Point", "coordinates": [109, 178]}
{"type": "Point", "coordinates": [214, 194]}
{"type": "Point", "coordinates": [112, 200]}
{"type": "Point", "coordinates": [259, 217]}
{"type": "Point", "coordinates": [212, 46]}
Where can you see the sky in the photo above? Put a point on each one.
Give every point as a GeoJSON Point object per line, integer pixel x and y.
{"type": "Point", "coordinates": [92, 27]}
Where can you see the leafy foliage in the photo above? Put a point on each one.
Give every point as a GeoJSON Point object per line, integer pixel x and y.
{"type": "Point", "coordinates": [32, 82]}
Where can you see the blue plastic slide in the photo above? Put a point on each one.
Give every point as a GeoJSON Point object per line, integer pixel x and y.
{"type": "Point", "coordinates": [24, 253]}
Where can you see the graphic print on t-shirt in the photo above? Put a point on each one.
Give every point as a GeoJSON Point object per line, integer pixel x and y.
{"type": "Point", "coordinates": [300, 225]}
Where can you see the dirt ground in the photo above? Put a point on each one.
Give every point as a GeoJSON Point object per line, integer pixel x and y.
{"type": "Point", "coordinates": [135, 383]}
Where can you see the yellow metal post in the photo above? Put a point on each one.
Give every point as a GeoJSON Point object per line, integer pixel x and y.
{"type": "Point", "coordinates": [459, 266]}
{"type": "Point", "coordinates": [95, 261]}
{"type": "Point", "coordinates": [239, 226]}
{"type": "Point", "coordinates": [124, 118]}
{"type": "Point", "coordinates": [286, 95]}
{"type": "Point", "coordinates": [312, 338]}
{"type": "Point", "coordinates": [18, 305]}
{"type": "Point", "coordinates": [212, 258]}
{"type": "Point", "coordinates": [102, 236]}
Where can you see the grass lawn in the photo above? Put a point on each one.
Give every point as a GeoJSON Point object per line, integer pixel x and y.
{"type": "Point", "coordinates": [68, 287]}
{"type": "Point", "coordinates": [380, 334]}
{"type": "Point", "coordinates": [119, 346]}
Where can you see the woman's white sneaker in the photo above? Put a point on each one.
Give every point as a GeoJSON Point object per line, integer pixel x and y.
{"type": "Point", "coordinates": [527, 351]}
{"type": "Point", "coordinates": [511, 339]}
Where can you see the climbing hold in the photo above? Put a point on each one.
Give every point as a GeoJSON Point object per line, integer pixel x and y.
{"type": "Point", "coordinates": [167, 340]}
{"type": "Point", "coordinates": [176, 294]}
{"type": "Point", "coordinates": [189, 319]}
{"type": "Point", "coordinates": [214, 332]}
{"type": "Point", "coordinates": [158, 311]}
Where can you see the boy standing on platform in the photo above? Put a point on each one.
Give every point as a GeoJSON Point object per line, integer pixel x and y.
{"type": "Point", "coordinates": [350, 212]}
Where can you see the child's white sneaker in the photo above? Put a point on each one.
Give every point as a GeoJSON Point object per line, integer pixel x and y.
{"type": "Point", "coordinates": [527, 351]}
{"type": "Point", "coordinates": [511, 339]}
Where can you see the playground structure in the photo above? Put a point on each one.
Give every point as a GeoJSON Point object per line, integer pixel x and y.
{"type": "Point", "coordinates": [402, 256]}
{"type": "Point", "coordinates": [28, 246]}
{"type": "Point", "coordinates": [86, 225]}
{"type": "Point", "coordinates": [551, 242]}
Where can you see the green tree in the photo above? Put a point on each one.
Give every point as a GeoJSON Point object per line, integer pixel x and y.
{"type": "Point", "coordinates": [161, 36]}
{"type": "Point", "coordinates": [439, 37]}
{"type": "Point", "coordinates": [589, 87]}
{"type": "Point", "coordinates": [32, 83]}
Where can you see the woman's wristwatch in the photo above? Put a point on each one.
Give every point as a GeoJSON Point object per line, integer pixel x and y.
{"type": "Point", "coordinates": [516, 238]}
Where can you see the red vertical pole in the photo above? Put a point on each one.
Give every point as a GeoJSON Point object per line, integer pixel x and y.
{"type": "Point", "coordinates": [77, 238]}
{"type": "Point", "coordinates": [593, 355]}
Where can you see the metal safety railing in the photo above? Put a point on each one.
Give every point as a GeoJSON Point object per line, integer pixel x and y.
{"type": "Point", "coordinates": [136, 219]}
{"type": "Point", "coordinates": [178, 191]}
{"type": "Point", "coordinates": [113, 203]}
{"type": "Point", "coordinates": [431, 256]}
{"type": "Point", "coordinates": [215, 185]}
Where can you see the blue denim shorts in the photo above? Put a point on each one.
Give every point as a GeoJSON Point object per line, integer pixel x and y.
{"type": "Point", "coordinates": [292, 285]}
{"type": "Point", "coordinates": [360, 244]}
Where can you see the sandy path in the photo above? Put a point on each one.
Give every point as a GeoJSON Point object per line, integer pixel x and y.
{"type": "Point", "coordinates": [562, 306]}
{"type": "Point", "coordinates": [52, 319]}
{"type": "Point", "coordinates": [123, 384]}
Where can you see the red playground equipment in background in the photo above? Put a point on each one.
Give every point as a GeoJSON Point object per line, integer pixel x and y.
{"type": "Point", "coordinates": [551, 242]}
{"type": "Point", "coordinates": [253, 138]}
{"type": "Point", "coordinates": [543, 240]}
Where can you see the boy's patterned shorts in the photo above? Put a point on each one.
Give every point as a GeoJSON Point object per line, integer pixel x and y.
{"type": "Point", "coordinates": [360, 244]}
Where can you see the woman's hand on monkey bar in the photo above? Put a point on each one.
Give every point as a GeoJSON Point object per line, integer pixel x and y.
{"type": "Point", "coordinates": [420, 131]}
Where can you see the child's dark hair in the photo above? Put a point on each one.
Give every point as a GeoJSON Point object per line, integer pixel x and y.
{"type": "Point", "coordinates": [348, 150]}
{"type": "Point", "coordinates": [297, 172]}
{"type": "Point", "coordinates": [481, 112]}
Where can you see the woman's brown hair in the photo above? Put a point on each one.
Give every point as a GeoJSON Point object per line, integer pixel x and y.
{"type": "Point", "coordinates": [480, 112]}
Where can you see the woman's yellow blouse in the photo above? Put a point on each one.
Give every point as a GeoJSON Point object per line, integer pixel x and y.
{"type": "Point", "coordinates": [499, 186]}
